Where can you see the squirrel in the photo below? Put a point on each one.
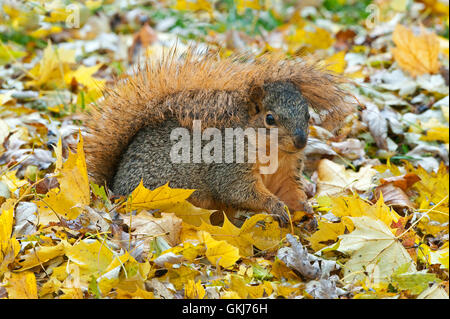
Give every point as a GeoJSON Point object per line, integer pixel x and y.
{"type": "Point", "coordinates": [127, 134]}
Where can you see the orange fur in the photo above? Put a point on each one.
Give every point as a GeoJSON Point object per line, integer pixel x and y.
{"type": "Point", "coordinates": [283, 183]}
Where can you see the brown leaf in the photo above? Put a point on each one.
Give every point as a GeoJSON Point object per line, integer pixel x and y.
{"type": "Point", "coordinates": [393, 196]}
{"type": "Point", "coordinates": [344, 39]}
{"type": "Point", "coordinates": [403, 181]}
{"type": "Point", "coordinates": [142, 39]}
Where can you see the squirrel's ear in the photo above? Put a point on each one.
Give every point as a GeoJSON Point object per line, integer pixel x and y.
{"type": "Point", "coordinates": [256, 95]}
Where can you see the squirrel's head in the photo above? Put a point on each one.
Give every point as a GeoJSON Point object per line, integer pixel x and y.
{"type": "Point", "coordinates": [281, 105]}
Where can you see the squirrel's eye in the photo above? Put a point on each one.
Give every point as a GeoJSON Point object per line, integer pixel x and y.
{"type": "Point", "coordinates": [270, 120]}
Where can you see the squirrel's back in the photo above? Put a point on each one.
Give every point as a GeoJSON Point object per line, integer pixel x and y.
{"type": "Point", "coordinates": [215, 91]}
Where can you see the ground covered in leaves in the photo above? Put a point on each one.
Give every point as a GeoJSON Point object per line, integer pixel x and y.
{"type": "Point", "coordinates": [379, 187]}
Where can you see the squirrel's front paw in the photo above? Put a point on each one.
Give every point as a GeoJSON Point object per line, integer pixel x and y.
{"type": "Point", "coordinates": [306, 207]}
{"type": "Point", "coordinates": [281, 215]}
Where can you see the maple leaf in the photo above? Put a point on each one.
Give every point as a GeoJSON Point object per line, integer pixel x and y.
{"type": "Point", "coordinates": [91, 256]}
{"type": "Point", "coordinates": [49, 72]}
{"type": "Point", "coordinates": [219, 252]}
{"type": "Point", "coordinates": [249, 235]}
{"type": "Point", "coordinates": [9, 246]}
{"type": "Point", "coordinates": [310, 41]}
{"type": "Point", "coordinates": [336, 63]}
{"type": "Point", "coordinates": [193, 5]}
{"type": "Point", "coordinates": [416, 54]}
{"type": "Point", "coordinates": [335, 179]}
{"type": "Point", "coordinates": [373, 249]}
{"type": "Point", "coordinates": [354, 206]}
{"type": "Point", "coordinates": [194, 290]}
{"type": "Point", "coordinates": [432, 189]}
{"type": "Point", "coordinates": [169, 200]}
{"type": "Point", "coordinates": [238, 284]}
{"type": "Point", "coordinates": [147, 226]}
{"type": "Point", "coordinates": [73, 193]}
{"type": "Point", "coordinates": [326, 232]}
{"type": "Point", "coordinates": [21, 285]}
{"type": "Point", "coordinates": [415, 281]}
{"type": "Point", "coordinates": [39, 255]}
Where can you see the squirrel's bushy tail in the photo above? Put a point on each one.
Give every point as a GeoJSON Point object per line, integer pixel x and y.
{"type": "Point", "coordinates": [141, 99]}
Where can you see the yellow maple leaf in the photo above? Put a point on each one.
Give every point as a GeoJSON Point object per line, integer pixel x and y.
{"type": "Point", "coordinates": [437, 133]}
{"type": "Point", "coordinates": [432, 189]}
{"type": "Point", "coordinates": [169, 200]}
{"type": "Point", "coordinates": [432, 186]}
{"type": "Point", "coordinates": [336, 63]}
{"type": "Point", "coordinates": [11, 180]}
{"type": "Point", "coordinates": [144, 198]}
{"type": "Point", "coordinates": [219, 252]}
{"type": "Point", "coordinates": [416, 54]}
{"type": "Point", "coordinates": [39, 255]}
{"type": "Point", "coordinates": [194, 290]}
{"type": "Point", "coordinates": [21, 285]}
{"type": "Point", "coordinates": [249, 235]}
{"type": "Point", "coordinates": [50, 70]}
{"type": "Point", "coordinates": [84, 75]}
{"type": "Point", "coordinates": [326, 232]}
{"type": "Point", "coordinates": [91, 256]}
{"type": "Point", "coordinates": [193, 5]}
{"type": "Point", "coordinates": [241, 5]}
{"type": "Point", "coordinates": [9, 246]}
{"type": "Point", "coordinates": [281, 271]}
{"type": "Point", "coordinates": [180, 276]}
{"type": "Point", "coordinates": [137, 294]}
{"type": "Point", "coordinates": [354, 206]}
{"type": "Point", "coordinates": [245, 291]}
{"type": "Point", "coordinates": [309, 40]}
{"type": "Point", "coordinates": [74, 193]}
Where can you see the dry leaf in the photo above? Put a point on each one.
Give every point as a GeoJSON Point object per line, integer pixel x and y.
{"type": "Point", "coordinates": [335, 179]}
{"type": "Point", "coordinates": [416, 54]}
{"type": "Point", "coordinates": [144, 226]}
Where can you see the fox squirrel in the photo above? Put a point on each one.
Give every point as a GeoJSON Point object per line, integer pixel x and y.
{"type": "Point", "coordinates": [128, 133]}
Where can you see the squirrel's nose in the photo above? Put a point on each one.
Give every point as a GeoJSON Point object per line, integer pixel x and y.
{"type": "Point", "coordinates": [300, 139]}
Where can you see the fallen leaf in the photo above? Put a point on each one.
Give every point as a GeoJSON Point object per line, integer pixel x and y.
{"type": "Point", "coordinates": [144, 226]}
{"type": "Point", "coordinates": [169, 200]}
{"type": "Point", "coordinates": [9, 246]}
{"type": "Point", "coordinates": [416, 54]}
{"type": "Point", "coordinates": [22, 285]}
{"type": "Point", "coordinates": [73, 193]}
{"type": "Point", "coordinates": [434, 292]}
{"type": "Point", "coordinates": [374, 250]}
{"type": "Point", "coordinates": [335, 179]}
{"type": "Point", "coordinates": [393, 196]}
{"type": "Point", "coordinates": [326, 234]}
{"type": "Point", "coordinates": [194, 290]}
{"type": "Point", "coordinates": [219, 252]}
